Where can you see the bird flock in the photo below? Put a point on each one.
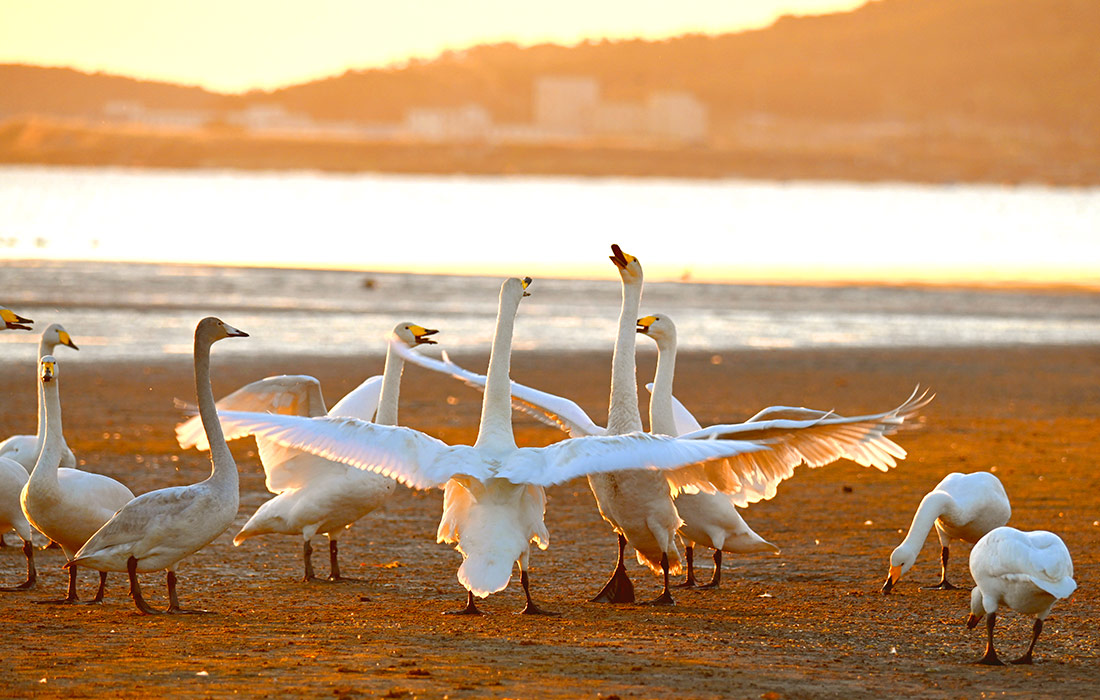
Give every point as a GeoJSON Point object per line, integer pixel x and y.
{"type": "Point", "coordinates": [680, 484]}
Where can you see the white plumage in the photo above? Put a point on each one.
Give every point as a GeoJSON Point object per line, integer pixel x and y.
{"type": "Point", "coordinates": [67, 505]}
{"type": "Point", "coordinates": [13, 477]}
{"type": "Point", "coordinates": [314, 494]}
{"type": "Point", "coordinates": [961, 507]}
{"type": "Point", "coordinates": [1024, 571]}
{"type": "Point", "coordinates": [494, 506]}
{"type": "Point", "coordinates": [25, 448]}
{"type": "Point", "coordinates": [157, 529]}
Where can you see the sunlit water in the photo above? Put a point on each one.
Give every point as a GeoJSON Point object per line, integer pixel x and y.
{"type": "Point", "coordinates": [529, 226]}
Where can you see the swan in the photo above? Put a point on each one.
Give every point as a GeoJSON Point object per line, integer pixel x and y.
{"type": "Point", "coordinates": [13, 321]}
{"type": "Point", "coordinates": [314, 494]}
{"type": "Point", "coordinates": [1025, 571]}
{"type": "Point", "coordinates": [25, 448]}
{"type": "Point", "coordinates": [710, 518]}
{"type": "Point", "coordinates": [494, 499]}
{"type": "Point", "coordinates": [13, 477]}
{"type": "Point", "coordinates": [67, 505]}
{"type": "Point", "coordinates": [962, 507]}
{"type": "Point", "coordinates": [157, 529]}
{"type": "Point", "coordinates": [797, 435]}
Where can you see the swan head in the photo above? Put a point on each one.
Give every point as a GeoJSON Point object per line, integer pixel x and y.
{"type": "Point", "coordinates": [47, 369]}
{"type": "Point", "coordinates": [412, 334]}
{"type": "Point", "coordinates": [213, 329]}
{"type": "Point", "coordinates": [13, 321]}
{"type": "Point", "coordinates": [901, 560]}
{"type": "Point", "coordinates": [513, 286]}
{"type": "Point", "coordinates": [630, 269]}
{"type": "Point", "coordinates": [977, 609]}
{"type": "Point", "coordinates": [55, 334]}
{"type": "Point", "coordinates": [659, 327]}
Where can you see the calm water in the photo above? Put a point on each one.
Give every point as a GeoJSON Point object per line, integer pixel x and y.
{"type": "Point", "coordinates": [533, 226]}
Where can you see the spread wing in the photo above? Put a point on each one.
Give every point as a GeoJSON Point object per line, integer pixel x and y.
{"type": "Point", "coordinates": [362, 401]}
{"type": "Point", "coordinates": [555, 411]}
{"type": "Point", "coordinates": [404, 454]}
{"type": "Point", "coordinates": [287, 394]}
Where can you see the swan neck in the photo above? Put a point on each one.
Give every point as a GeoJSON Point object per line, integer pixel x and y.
{"type": "Point", "coordinates": [224, 469]}
{"type": "Point", "coordinates": [623, 415]}
{"type": "Point", "coordinates": [661, 418]}
{"type": "Point", "coordinates": [44, 349]}
{"type": "Point", "coordinates": [52, 439]}
{"type": "Point", "coordinates": [932, 506]}
{"type": "Point", "coordinates": [391, 388]}
{"type": "Point", "coordinates": [496, 407]}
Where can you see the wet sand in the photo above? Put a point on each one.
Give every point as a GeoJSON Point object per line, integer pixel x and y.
{"type": "Point", "coordinates": [809, 622]}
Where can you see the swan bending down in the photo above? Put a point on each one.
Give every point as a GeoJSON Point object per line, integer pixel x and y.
{"type": "Point", "coordinates": [1026, 571]}
{"type": "Point", "coordinates": [314, 494]}
{"type": "Point", "coordinates": [796, 435]}
{"type": "Point", "coordinates": [67, 505]}
{"type": "Point", "coordinates": [13, 477]}
{"type": "Point", "coordinates": [25, 448]}
{"type": "Point", "coordinates": [157, 529]}
{"type": "Point", "coordinates": [494, 499]}
{"type": "Point", "coordinates": [710, 518]}
{"type": "Point", "coordinates": [961, 507]}
{"type": "Point", "coordinates": [13, 321]}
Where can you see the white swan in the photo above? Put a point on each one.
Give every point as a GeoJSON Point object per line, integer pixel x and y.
{"type": "Point", "coordinates": [13, 321]}
{"type": "Point", "coordinates": [1025, 571]}
{"type": "Point", "coordinates": [25, 448]}
{"type": "Point", "coordinates": [314, 494]}
{"type": "Point", "coordinates": [709, 518]}
{"type": "Point", "coordinates": [157, 529]}
{"type": "Point", "coordinates": [67, 505]}
{"type": "Point", "coordinates": [961, 507]}
{"type": "Point", "coordinates": [494, 499]}
{"type": "Point", "coordinates": [13, 477]}
{"type": "Point", "coordinates": [796, 435]}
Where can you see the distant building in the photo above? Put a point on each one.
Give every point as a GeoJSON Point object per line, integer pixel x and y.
{"type": "Point", "coordinates": [270, 117]}
{"type": "Point", "coordinates": [623, 119]}
{"type": "Point", "coordinates": [566, 105]}
{"type": "Point", "coordinates": [677, 116]}
{"type": "Point", "coordinates": [470, 122]}
{"type": "Point", "coordinates": [135, 112]}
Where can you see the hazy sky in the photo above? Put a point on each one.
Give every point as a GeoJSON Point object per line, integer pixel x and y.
{"type": "Point", "coordinates": [237, 45]}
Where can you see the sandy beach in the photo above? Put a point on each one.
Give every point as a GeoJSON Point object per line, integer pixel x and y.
{"type": "Point", "coordinates": [807, 623]}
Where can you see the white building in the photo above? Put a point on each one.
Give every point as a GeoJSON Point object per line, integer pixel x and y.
{"type": "Point", "coordinates": [677, 116]}
{"type": "Point", "coordinates": [565, 105]}
{"type": "Point", "coordinates": [470, 122]}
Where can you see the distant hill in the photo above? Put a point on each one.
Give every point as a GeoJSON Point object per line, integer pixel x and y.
{"type": "Point", "coordinates": [927, 89]}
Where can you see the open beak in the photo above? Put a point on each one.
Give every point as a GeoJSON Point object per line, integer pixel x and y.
{"type": "Point", "coordinates": [13, 321]}
{"type": "Point", "coordinates": [421, 335]}
{"type": "Point", "coordinates": [895, 574]}
{"type": "Point", "coordinates": [526, 284]}
{"type": "Point", "coordinates": [645, 323]}
{"type": "Point", "coordinates": [232, 332]}
{"type": "Point", "coordinates": [620, 258]}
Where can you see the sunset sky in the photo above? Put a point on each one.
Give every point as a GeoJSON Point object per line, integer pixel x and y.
{"type": "Point", "coordinates": [238, 45]}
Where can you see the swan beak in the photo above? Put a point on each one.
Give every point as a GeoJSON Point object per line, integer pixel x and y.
{"type": "Point", "coordinates": [972, 621]}
{"type": "Point", "coordinates": [67, 339]}
{"type": "Point", "coordinates": [49, 371]}
{"type": "Point", "coordinates": [645, 323]}
{"type": "Point", "coordinates": [420, 334]}
{"type": "Point", "coordinates": [231, 332]}
{"type": "Point", "coordinates": [13, 321]}
{"type": "Point", "coordinates": [895, 574]}
{"type": "Point", "coordinates": [621, 259]}
{"type": "Point", "coordinates": [526, 284]}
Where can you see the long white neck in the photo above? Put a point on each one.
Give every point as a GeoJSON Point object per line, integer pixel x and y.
{"type": "Point", "coordinates": [932, 506]}
{"type": "Point", "coordinates": [52, 435]}
{"type": "Point", "coordinates": [495, 430]}
{"type": "Point", "coordinates": [391, 388]}
{"type": "Point", "coordinates": [662, 421]}
{"type": "Point", "coordinates": [623, 415]}
{"type": "Point", "coordinates": [45, 347]}
{"type": "Point", "coordinates": [224, 469]}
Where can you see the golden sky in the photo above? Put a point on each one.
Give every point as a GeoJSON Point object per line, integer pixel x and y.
{"type": "Point", "coordinates": [238, 45]}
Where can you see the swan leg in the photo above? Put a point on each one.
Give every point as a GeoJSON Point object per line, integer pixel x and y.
{"type": "Point", "coordinates": [943, 585]}
{"type": "Point", "coordinates": [716, 577]}
{"type": "Point", "coordinates": [70, 596]}
{"type": "Point", "coordinates": [689, 554]}
{"type": "Point", "coordinates": [470, 608]}
{"type": "Point", "coordinates": [1026, 658]}
{"type": "Point", "coordinates": [618, 588]}
{"type": "Point", "coordinates": [307, 555]}
{"type": "Point", "coordinates": [135, 589]}
{"type": "Point", "coordinates": [334, 564]}
{"type": "Point", "coordinates": [174, 602]}
{"type": "Point", "coordinates": [530, 608]}
{"type": "Point", "coordinates": [990, 657]}
{"type": "Point", "coordinates": [101, 590]}
{"type": "Point", "coordinates": [32, 573]}
{"type": "Point", "coordinates": [666, 597]}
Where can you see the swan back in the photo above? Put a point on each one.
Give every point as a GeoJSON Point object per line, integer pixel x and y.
{"type": "Point", "coordinates": [1007, 558]}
